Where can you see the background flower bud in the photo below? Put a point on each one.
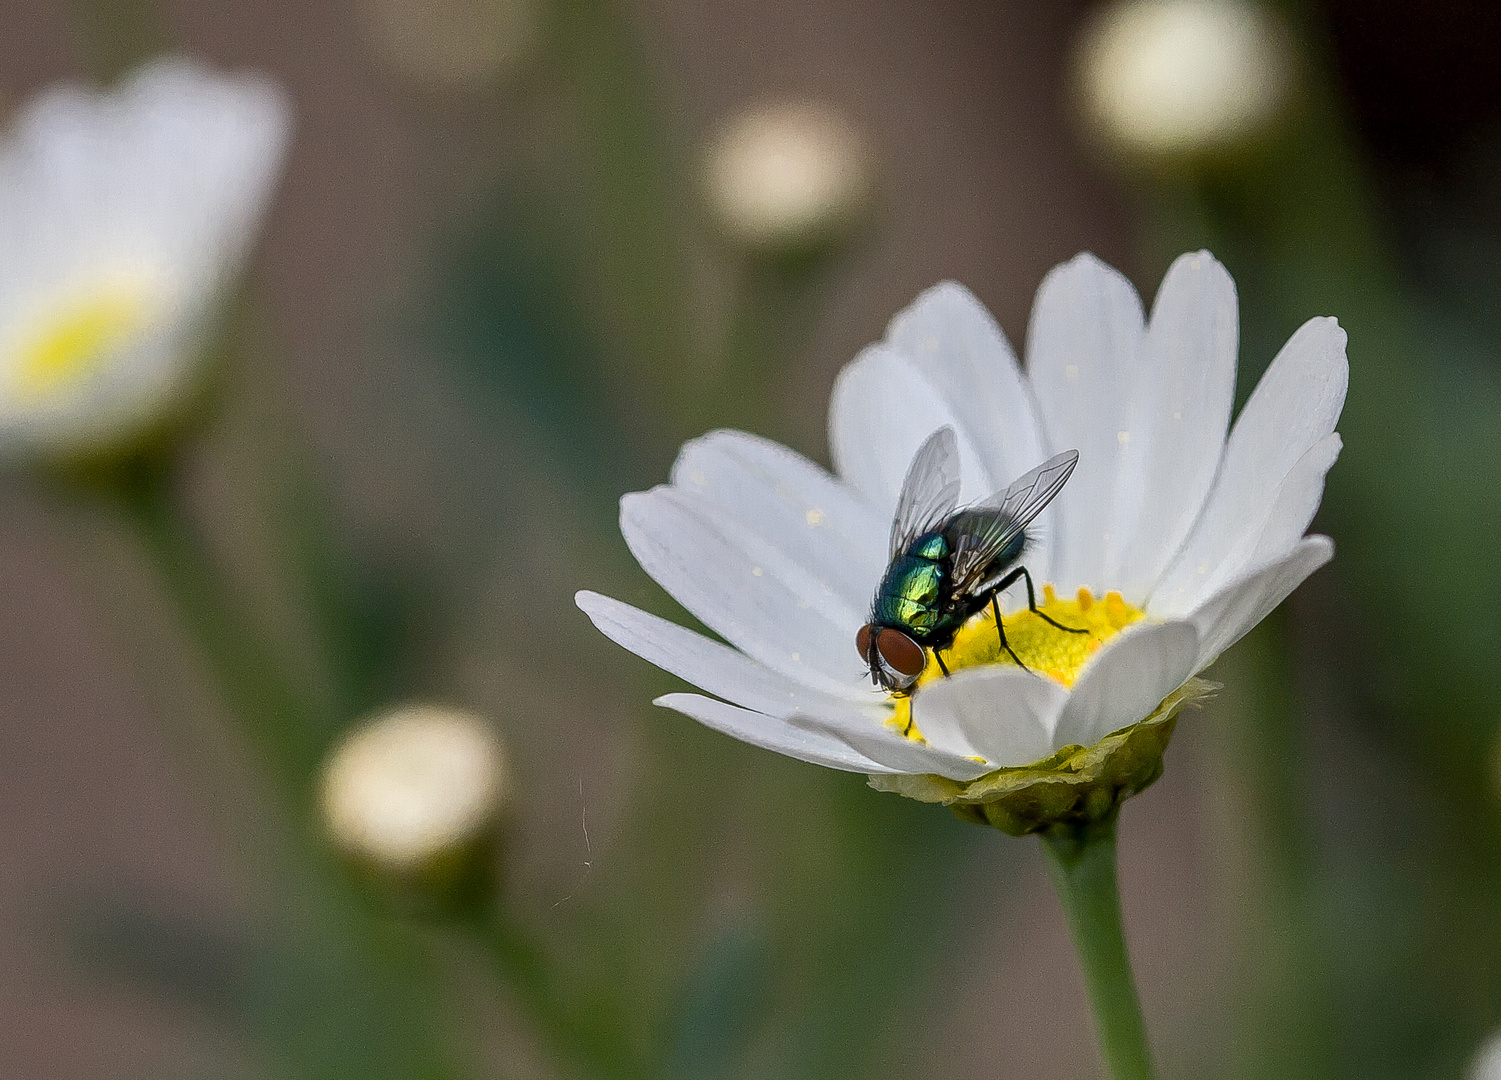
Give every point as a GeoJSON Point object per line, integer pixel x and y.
{"type": "Point", "coordinates": [1176, 78]}
{"type": "Point", "coordinates": [787, 175]}
{"type": "Point", "coordinates": [414, 785]}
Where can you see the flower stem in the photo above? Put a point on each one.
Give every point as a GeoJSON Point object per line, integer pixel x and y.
{"type": "Point", "coordinates": [1082, 858]}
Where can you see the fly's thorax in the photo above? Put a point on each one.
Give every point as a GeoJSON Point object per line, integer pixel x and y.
{"type": "Point", "coordinates": [911, 595]}
{"type": "Point", "coordinates": [933, 546]}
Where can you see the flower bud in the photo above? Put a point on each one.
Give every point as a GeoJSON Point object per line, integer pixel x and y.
{"type": "Point", "coordinates": [788, 176]}
{"type": "Point", "coordinates": [415, 788]}
{"type": "Point", "coordinates": [1165, 79]}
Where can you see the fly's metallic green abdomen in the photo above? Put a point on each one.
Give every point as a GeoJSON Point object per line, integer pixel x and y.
{"type": "Point", "coordinates": [914, 589]}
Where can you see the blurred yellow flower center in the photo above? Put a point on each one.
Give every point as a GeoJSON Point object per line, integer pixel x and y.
{"type": "Point", "coordinates": [1043, 648]}
{"type": "Point", "coordinates": [73, 343]}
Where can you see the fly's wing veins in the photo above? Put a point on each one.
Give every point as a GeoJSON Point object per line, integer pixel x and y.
{"type": "Point", "coordinates": [930, 492]}
{"type": "Point", "coordinates": [989, 528]}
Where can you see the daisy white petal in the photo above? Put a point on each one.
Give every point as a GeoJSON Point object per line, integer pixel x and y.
{"type": "Point", "coordinates": [742, 589]}
{"type": "Point", "coordinates": [1083, 348]}
{"type": "Point", "coordinates": [1297, 502]}
{"type": "Point", "coordinates": [1296, 404]}
{"type": "Point", "coordinates": [1286, 521]}
{"type": "Point", "coordinates": [789, 501]}
{"type": "Point", "coordinates": [1177, 415]}
{"type": "Point", "coordinates": [871, 452]}
{"type": "Point", "coordinates": [769, 733]}
{"type": "Point", "coordinates": [892, 749]}
{"type": "Point", "coordinates": [960, 349]}
{"type": "Point", "coordinates": [1003, 714]}
{"type": "Point", "coordinates": [1226, 616]}
{"type": "Point", "coordinates": [708, 665]}
{"type": "Point", "coordinates": [1127, 681]}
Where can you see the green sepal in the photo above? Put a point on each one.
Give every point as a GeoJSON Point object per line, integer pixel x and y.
{"type": "Point", "coordinates": [1076, 786]}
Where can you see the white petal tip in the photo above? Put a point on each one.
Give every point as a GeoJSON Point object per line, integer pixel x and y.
{"type": "Point", "coordinates": [587, 600]}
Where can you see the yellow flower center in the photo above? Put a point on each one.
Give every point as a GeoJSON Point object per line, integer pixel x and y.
{"type": "Point", "coordinates": [75, 340]}
{"type": "Point", "coordinates": [1045, 649]}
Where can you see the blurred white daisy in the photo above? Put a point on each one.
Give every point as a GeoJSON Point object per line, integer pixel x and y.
{"type": "Point", "coordinates": [124, 216]}
{"type": "Point", "coordinates": [1168, 543]}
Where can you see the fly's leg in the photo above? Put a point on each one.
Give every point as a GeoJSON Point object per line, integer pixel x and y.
{"type": "Point", "coordinates": [1009, 580]}
{"type": "Point", "coordinates": [941, 667]}
{"type": "Point", "coordinates": [1000, 629]}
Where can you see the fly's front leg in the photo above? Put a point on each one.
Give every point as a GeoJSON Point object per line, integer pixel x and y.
{"type": "Point", "coordinates": [941, 665]}
{"type": "Point", "coordinates": [1009, 580]}
{"type": "Point", "coordinates": [1000, 629]}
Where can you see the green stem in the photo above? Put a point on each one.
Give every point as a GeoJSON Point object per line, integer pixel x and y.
{"type": "Point", "coordinates": [1083, 864]}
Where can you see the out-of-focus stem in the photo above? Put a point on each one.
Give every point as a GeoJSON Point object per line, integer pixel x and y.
{"type": "Point", "coordinates": [522, 967]}
{"type": "Point", "coordinates": [361, 975]}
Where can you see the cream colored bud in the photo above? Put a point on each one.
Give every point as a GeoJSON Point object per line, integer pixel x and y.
{"type": "Point", "coordinates": [457, 44]}
{"type": "Point", "coordinates": [414, 784]}
{"type": "Point", "coordinates": [1175, 78]}
{"type": "Point", "coordinates": [787, 175]}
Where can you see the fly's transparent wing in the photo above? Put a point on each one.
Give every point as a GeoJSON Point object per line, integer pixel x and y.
{"type": "Point", "coordinates": [930, 492]}
{"type": "Point", "coordinates": [1030, 495]}
{"type": "Point", "coordinates": [983, 532]}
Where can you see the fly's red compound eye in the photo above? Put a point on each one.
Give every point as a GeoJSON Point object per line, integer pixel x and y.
{"type": "Point", "coordinates": [901, 653]}
{"type": "Point", "coordinates": [862, 642]}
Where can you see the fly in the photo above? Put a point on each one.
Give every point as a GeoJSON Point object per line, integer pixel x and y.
{"type": "Point", "coordinates": [948, 564]}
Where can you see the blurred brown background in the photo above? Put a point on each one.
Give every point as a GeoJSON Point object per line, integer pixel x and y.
{"type": "Point", "coordinates": [105, 807]}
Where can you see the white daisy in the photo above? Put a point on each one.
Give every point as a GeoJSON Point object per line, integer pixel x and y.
{"type": "Point", "coordinates": [1169, 542]}
{"type": "Point", "coordinates": [123, 217]}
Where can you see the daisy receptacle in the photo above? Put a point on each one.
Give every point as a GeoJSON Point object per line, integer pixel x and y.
{"type": "Point", "coordinates": [861, 620]}
{"type": "Point", "coordinates": [125, 216]}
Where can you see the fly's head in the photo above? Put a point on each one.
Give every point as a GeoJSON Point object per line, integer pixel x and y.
{"type": "Point", "coordinates": [895, 659]}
